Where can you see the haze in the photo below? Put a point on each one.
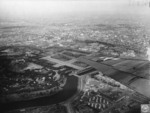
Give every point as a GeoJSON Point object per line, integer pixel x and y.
{"type": "Point", "coordinates": [19, 8]}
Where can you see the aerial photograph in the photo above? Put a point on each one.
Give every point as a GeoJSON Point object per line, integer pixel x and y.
{"type": "Point", "coordinates": [74, 56]}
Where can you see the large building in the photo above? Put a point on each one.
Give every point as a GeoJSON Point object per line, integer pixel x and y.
{"type": "Point", "coordinates": [134, 73]}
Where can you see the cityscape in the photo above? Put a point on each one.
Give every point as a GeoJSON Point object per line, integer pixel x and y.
{"type": "Point", "coordinates": [75, 63]}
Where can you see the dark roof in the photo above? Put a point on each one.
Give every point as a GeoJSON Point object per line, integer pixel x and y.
{"type": "Point", "coordinates": [127, 71]}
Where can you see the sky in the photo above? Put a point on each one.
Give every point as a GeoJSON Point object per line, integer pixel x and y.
{"type": "Point", "coordinates": [45, 7]}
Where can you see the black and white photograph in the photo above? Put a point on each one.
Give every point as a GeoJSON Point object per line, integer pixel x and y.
{"type": "Point", "coordinates": [74, 56]}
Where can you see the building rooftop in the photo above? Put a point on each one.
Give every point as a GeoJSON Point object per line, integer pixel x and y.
{"type": "Point", "coordinates": [134, 73]}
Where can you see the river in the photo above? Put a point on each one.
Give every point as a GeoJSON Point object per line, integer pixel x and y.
{"type": "Point", "coordinates": [68, 91]}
